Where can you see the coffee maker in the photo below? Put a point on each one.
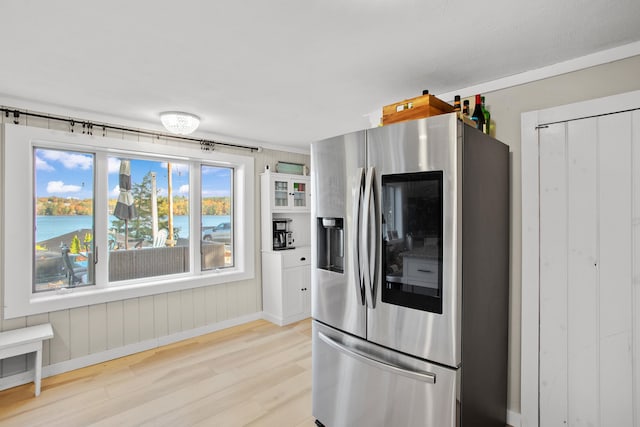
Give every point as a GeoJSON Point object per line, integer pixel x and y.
{"type": "Point", "coordinates": [282, 235]}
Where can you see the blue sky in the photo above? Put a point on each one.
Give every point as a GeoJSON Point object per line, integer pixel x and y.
{"type": "Point", "coordinates": [70, 174]}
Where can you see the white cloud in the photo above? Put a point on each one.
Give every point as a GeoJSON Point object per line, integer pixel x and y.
{"type": "Point", "coordinates": [69, 160]}
{"type": "Point", "coordinates": [42, 165]}
{"type": "Point", "coordinates": [184, 189]}
{"type": "Point", "coordinates": [116, 191]}
{"type": "Point", "coordinates": [114, 165]}
{"type": "Point", "coordinates": [61, 187]}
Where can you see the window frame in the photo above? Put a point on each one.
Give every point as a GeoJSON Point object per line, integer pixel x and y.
{"type": "Point", "coordinates": [18, 235]}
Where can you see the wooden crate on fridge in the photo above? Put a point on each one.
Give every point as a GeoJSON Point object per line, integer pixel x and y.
{"type": "Point", "coordinates": [414, 108]}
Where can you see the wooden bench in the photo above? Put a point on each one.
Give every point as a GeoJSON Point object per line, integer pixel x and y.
{"type": "Point", "coordinates": [26, 340]}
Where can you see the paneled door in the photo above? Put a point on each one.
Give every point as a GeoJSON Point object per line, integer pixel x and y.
{"type": "Point", "coordinates": [589, 271]}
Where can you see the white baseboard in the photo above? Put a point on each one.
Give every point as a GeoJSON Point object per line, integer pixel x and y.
{"type": "Point", "coordinates": [513, 419]}
{"type": "Point", "coordinates": [273, 319]}
{"type": "Point", "coordinates": [103, 356]}
{"type": "Point", "coordinates": [281, 321]}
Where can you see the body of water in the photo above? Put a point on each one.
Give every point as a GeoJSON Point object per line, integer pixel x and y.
{"type": "Point", "coordinates": [48, 226]}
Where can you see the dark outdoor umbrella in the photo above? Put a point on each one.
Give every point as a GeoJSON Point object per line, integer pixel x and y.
{"type": "Point", "coordinates": [124, 207]}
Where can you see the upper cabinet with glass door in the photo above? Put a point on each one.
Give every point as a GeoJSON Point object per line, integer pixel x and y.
{"type": "Point", "coordinates": [289, 192]}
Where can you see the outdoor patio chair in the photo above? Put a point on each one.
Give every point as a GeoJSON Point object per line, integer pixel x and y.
{"type": "Point", "coordinates": [74, 273]}
{"type": "Point", "coordinates": [161, 239]}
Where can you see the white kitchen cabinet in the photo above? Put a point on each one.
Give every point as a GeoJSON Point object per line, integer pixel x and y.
{"type": "Point", "coordinates": [273, 206]}
{"type": "Point", "coordinates": [286, 273]}
{"type": "Point", "coordinates": [286, 285]}
{"type": "Point", "coordinates": [287, 193]}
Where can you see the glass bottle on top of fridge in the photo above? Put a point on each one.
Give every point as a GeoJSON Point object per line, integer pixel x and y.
{"type": "Point", "coordinates": [487, 117]}
{"type": "Point", "coordinates": [478, 115]}
{"type": "Point", "coordinates": [465, 108]}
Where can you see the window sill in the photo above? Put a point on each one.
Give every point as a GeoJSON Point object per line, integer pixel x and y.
{"type": "Point", "coordinates": [84, 296]}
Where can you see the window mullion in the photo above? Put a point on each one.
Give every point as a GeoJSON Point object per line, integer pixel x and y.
{"type": "Point", "coordinates": [101, 217]}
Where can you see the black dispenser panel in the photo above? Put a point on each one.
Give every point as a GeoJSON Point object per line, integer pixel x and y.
{"type": "Point", "coordinates": [331, 244]}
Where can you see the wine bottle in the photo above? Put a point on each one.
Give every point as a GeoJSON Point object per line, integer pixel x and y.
{"type": "Point", "coordinates": [456, 103]}
{"type": "Point", "coordinates": [487, 118]}
{"type": "Point", "coordinates": [478, 115]}
{"type": "Point", "coordinates": [465, 107]}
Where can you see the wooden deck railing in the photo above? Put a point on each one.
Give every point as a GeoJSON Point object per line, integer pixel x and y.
{"type": "Point", "coordinates": [138, 263]}
{"type": "Point", "coordinates": [147, 262]}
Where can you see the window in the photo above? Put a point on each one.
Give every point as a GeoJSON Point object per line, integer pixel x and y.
{"type": "Point", "coordinates": [111, 219]}
{"type": "Point", "coordinates": [148, 218]}
{"type": "Point", "coordinates": [63, 220]}
{"type": "Point", "coordinates": [216, 217]}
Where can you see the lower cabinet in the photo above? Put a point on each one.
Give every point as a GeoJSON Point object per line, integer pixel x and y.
{"type": "Point", "coordinates": [286, 285]}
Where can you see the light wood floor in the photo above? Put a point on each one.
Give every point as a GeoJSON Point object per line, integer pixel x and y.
{"type": "Point", "coordinates": [256, 374]}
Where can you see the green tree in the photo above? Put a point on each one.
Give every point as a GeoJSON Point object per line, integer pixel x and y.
{"type": "Point", "coordinates": [88, 237]}
{"type": "Point", "coordinates": [141, 226]}
{"type": "Point", "coordinates": [75, 245]}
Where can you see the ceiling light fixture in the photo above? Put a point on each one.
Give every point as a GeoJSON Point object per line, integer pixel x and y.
{"type": "Point", "coordinates": [179, 123]}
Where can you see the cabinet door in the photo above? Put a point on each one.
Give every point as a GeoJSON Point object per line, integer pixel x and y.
{"type": "Point", "coordinates": [295, 281]}
{"type": "Point", "coordinates": [299, 197]}
{"type": "Point", "coordinates": [280, 193]}
{"type": "Point", "coordinates": [306, 293]}
{"type": "Point", "coordinates": [290, 193]}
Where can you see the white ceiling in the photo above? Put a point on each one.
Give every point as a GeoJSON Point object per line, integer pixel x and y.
{"type": "Point", "coordinates": [283, 72]}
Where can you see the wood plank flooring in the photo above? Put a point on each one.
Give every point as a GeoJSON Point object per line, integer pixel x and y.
{"type": "Point", "coordinates": [257, 374]}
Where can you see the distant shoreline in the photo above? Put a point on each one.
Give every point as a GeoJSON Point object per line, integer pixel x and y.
{"type": "Point", "coordinates": [50, 227]}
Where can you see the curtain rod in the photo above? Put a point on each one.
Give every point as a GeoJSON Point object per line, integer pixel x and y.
{"type": "Point", "coordinates": [87, 126]}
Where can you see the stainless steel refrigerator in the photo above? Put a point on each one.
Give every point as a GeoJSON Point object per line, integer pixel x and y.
{"type": "Point", "coordinates": [410, 273]}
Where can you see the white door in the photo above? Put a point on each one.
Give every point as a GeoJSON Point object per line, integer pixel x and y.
{"type": "Point", "coordinates": [589, 272]}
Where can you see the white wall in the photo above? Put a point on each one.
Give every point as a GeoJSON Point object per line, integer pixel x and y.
{"type": "Point", "coordinates": [506, 107]}
{"type": "Point", "coordinates": [91, 333]}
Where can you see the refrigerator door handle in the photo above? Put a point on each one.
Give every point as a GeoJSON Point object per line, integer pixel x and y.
{"type": "Point", "coordinates": [366, 243]}
{"type": "Point", "coordinates": [427, 377]}
{"type": "Point", "coordinates": [357, 218]}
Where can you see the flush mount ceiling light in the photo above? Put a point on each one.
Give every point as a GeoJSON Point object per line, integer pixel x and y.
{"type": "Point", "coordinates": [179, 123]}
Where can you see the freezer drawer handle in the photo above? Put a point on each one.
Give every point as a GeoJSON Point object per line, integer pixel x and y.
{"type": "Point", "coordinates": [420, 376]}
{"type": "Point", "coordinates": [424, 271]}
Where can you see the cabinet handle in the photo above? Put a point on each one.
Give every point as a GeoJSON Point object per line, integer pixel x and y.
{"type": "Point", "coordinates": [302, 259]}
{"type": "Point", "coordinates": [425, 271]}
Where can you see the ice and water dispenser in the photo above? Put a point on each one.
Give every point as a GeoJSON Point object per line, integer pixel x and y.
{"type": "Point", "coordinates": [331, 244]}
